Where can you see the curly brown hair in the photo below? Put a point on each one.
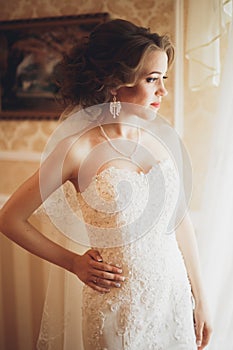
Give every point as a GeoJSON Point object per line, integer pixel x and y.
{"type": "Point", "coordinates": [110, 57]}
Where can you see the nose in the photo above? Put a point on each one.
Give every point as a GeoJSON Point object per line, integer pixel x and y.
{"type": "Point", "coordinates": [161, 91]}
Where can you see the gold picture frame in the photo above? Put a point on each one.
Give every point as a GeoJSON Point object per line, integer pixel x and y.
{"type": "Point", "coordinates": [29, 52]}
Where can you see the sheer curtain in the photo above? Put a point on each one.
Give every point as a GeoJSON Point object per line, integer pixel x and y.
{"type": "Point", "coordinates": [207, 21]}
{"type": "Point", "coordinates": [215, 227]}
{"type": "Point", "coordinates": [205, 25]}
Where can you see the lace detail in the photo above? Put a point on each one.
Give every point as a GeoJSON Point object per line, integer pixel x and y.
{"type": "Point", "coordinates": [127, 215]}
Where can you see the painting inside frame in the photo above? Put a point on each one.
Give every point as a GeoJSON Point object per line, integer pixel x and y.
{"type": "Point", "coordinates": [29, 53]}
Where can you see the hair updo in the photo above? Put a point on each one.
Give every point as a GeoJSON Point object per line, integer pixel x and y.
{"type": "Point", "coordinates": [110, 58]}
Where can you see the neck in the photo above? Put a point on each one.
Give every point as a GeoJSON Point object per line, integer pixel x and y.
{"type": "Point", "coordinates": [110, 141]}
{"type": "Point", "coordinates": [121, 130]}
{"type": "Point", "coordinates": [124, 126]}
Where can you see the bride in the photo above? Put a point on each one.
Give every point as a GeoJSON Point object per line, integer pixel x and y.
{"type": "Point", "coordinates": [142, 281]}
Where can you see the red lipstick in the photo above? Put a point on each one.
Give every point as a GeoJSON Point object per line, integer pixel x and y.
{"type": "Point", "coordinates": [155, 104]}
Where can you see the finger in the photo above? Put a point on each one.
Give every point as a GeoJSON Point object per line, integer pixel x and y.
{"type": "Point", "coordinates": [206, 335]}
{"type": "Point", "coordinates": [94, 254]}
{"type": "Point", "coordinates": [106, 267]}
{"type": "Point", "coordinates": [106, 283]}
{"type": "Point", "coordinates": [98, 288]}
{"type": "Point", "coordinates": [199, 332]}
{"type": "Point", "coordinates": [108, 276]}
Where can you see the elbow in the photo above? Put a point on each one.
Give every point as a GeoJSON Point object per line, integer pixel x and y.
{"type": "Point", "coordinates": [3, 220]}
{"type": "Point", "coordinates": [7, 220]}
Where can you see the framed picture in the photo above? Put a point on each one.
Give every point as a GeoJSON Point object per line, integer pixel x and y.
{"type": "Point", "coordinates": [29, 53]}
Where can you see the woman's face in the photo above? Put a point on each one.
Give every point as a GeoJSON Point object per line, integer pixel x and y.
{"type": "Point", "coordinates": [149, 90]}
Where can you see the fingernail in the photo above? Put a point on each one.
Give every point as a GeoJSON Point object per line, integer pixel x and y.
{"type": "Point", "coordinates": [122, 278]}
{"type": "Point", "coordinates": [99, 259]}
{"type": "Point", "coordinates": [117, 285]}
{"type": "Point", "coordinates": [198, 342]}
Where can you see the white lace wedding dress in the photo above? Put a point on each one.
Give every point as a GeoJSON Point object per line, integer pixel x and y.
{"type": "Point", "coordinates": [127, 215]}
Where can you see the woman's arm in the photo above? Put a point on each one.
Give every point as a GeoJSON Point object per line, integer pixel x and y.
{"type": "Point", "coordinates": [56, 169]}
{"type": "Point", "coordinates": [14, 224]}
{"type": "Point", "coordinates": [188, 245]}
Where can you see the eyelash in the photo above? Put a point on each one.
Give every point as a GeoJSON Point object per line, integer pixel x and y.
{"type": "Point", "coordinates": [151, 80]}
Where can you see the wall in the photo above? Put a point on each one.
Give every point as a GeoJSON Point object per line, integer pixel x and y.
{"type": "Point", "coordinates": [23, 277]}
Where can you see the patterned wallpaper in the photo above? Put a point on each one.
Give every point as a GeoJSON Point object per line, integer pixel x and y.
{"type": "Point", "coordinates": [158, 15]}
{"type": "Point", "coordinates": [25, 135]}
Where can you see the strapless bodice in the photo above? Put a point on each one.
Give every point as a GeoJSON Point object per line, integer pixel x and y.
{"type": "Point", "coordinates": [120, 206]}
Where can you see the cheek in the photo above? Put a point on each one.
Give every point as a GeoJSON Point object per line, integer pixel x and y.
{"type": "Point", "coordinates": [133, 94]}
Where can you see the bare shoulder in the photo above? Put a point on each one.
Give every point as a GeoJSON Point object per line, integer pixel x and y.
{"type": "Point", "coordinates": [79, 147]}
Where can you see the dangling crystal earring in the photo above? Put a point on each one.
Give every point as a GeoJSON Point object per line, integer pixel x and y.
{"type": "Point", "coordinates": [115, 107]}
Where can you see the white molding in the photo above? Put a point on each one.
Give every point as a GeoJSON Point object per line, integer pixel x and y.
{"type": "Point", "coordinates": [19, 156]}
{"type": "Point", "coordinates": [179, 69]}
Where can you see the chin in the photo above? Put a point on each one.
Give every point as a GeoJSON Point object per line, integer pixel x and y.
{"type": "Point", "coordinates": [149, 113]}
{"type": "Point", "coordinates": [153, 109]}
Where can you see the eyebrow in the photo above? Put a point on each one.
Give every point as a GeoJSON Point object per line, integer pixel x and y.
{"type": "Point", "coordinates": [155, 72]}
